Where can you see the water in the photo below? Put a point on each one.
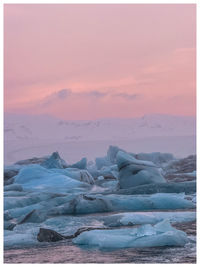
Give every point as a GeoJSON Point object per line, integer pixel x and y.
{"type": "Point", "coordinates": [66, 252]}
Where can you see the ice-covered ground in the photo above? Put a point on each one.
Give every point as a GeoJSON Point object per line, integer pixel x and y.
{"type": "Point", "coordinates": [94, 205]}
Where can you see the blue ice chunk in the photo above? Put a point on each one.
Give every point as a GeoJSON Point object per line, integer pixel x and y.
{"type": "Point", "coordinates": [133, 172]}
{"type": "Point", "coordinates": [102, 162]}
{"type": "Point", "coordinates": [144, 236]}
{"type": "Point", "coordinates": [35, 177]}
{"type": "Point", "coordinates": [54, 161]}
{"type": "Point", "coordinates": [82, 164]}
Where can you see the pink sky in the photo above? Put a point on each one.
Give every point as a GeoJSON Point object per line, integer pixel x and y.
{"type": "Point", "coordinates": [97, 61]}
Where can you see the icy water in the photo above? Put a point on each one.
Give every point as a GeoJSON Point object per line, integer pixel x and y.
{"type": "Point", "coordinates": [66, 252]}
{"type": "Point", "coordinates": [43, 203]}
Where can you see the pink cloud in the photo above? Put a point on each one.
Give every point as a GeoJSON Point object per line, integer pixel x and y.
{"type": "Point", "coordinates": [100, 51]}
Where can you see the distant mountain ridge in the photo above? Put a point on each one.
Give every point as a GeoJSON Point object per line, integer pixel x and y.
{"type": "Point", "coordinates": [39, 127]}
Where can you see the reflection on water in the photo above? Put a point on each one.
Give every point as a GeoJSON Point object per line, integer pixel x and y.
{"type": "Point", "coordinates": [66, 252]}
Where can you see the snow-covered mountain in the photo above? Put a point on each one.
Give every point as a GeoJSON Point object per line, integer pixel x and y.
{"type": "Point", "coordinates": [37, 135]}
{"type": "Point", "coordinates": [20, 127]}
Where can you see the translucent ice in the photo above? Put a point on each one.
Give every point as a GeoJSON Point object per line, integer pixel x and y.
{"type": "Point", "coordinates": [133, 172]}
{"type": "Point", "coordinates": [101, 162]}
{"type": "Point", "coordinates": [188, 187]}
{"type": "Point", "coordinates": [77, 174]}
{"type": "Point", "coordinates": [84, 204]}
{"type": "Point", "coordinates": [54, 161]}
{"type": "Point", "coordinates": [82, 164]}
{"type": "Point", "coordinates": [154, 217]}
{"type": "Point", "coordinates": [35, 177]}
{"type": "Point", "coordinates": [161, 234]}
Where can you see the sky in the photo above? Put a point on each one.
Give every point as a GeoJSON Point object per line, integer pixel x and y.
{"type": "Point", "coordinates": [98, 61]}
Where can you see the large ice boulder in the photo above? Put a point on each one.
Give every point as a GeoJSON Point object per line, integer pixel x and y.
{"type": "Point", "coordinates": [102, 162]}
{"type": "Point", "coordinates": [109, 159]}
{"type": "Point", "coordinates": [161, 234]}
{"type": "Point", "coordinates": [181, 187]}
{"type": "Point", "coordinates": [83, 204]}
{"type": "Point", "coordinates": [36, 177]}
{"type": "Point", "coordinates": [77, 174]}
{"type": "Point", "coordinates": [133, 172]}
{"type": "Point", "coordinates": [112, 153]}
{"type": "Point", "coordinates": [109, 172]}
{"type": "Point", "coordinates": [134, 218]}
{"type": "Point", "coordinates": [54, 161]}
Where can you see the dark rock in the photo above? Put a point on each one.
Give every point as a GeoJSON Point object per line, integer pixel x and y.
{"type": "Point", "coordinates": [48, 235]}
{"type": "Point", "coordinates": [84, 229]}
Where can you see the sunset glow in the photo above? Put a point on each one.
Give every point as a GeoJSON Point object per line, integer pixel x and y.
{"type": "Point", "coordinates": [97, 61]}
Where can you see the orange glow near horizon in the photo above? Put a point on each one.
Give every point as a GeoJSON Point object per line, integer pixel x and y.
{"type": "Point", "coordinates": [98, 61]}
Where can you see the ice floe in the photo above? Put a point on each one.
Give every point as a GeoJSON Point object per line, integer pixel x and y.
{"type": "Point", "coordinates": [38, 178]}
{"type": "Point", "coordinates": [161, 234]}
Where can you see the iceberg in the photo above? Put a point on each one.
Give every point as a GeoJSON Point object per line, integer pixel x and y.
{"type": "Point", "coordinates": [85, 204]}
{"type": "Point", "coordinates": [38, 178]}
{"type": "Point", "coordinates": [16, 240]}
{"type": "Point", "coordinates": [112, 153]}
{"type": "Point", "coordinates": [149, 202]}
{"type": "Point", "coordinates": [82, 164]}
{"type": "Point", "coordinates": [27, 199]}
{"type": "Point", "coordinates": [185, 187]}
{"type": "Point", "coordinates": [23, 235]}
{"type": "Point", "coordinates": [54, 161]}
{"type": "Point", "coordinates": [77, 174]}
{"type": "Point", "coordinates": [109, 172]}
{"type": "Point", "coordinates": [134, 218]}
{"type": "Point", "coordinates": [161, 234]}
{"type": "Point", "coordinates": [108, 184]}
{"type": "Point", "coordinates": [102, 162]}
{"type": "Point", "coordinates": [133, 172]}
